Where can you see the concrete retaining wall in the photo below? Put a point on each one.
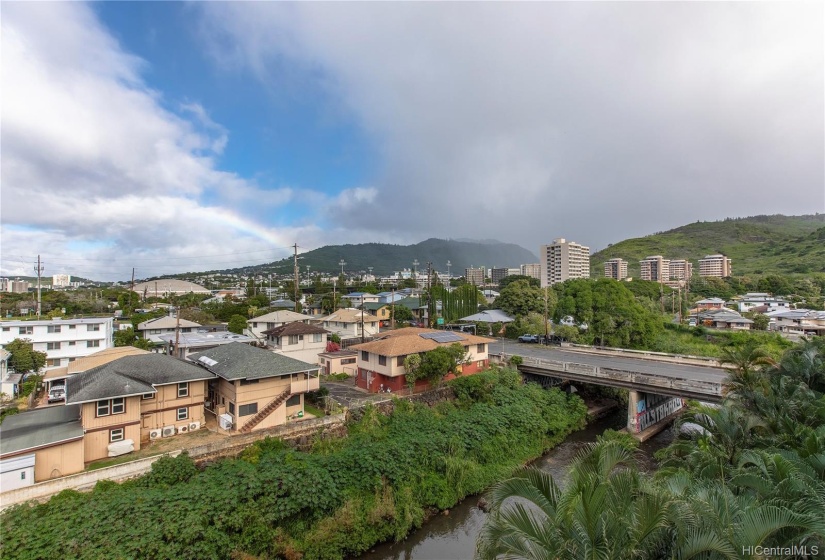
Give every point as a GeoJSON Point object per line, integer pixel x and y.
{"type": "Point", "coordinates": [80, 481]}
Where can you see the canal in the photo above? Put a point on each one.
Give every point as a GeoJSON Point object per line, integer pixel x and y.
{"type": "Point", "coordinates": [453, 536]}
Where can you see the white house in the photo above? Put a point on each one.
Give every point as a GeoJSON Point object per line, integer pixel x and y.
{"type": "Point", "coordinates": [799, 321]}
{"type": "Point", "coordinates": [757, 299]}
{"type": "Point", "coordinates": [297, 340]}
{"type": "Point", "coordinates": [256, 326]}
{"type": "Point", "coordinates": [346, 323]}
{"type": "Point", "coordinates": [153, 328]}
{"type": "Point", "coordinates": [356, 299]}
{"type": "Point", "coordinates": [63, 340]}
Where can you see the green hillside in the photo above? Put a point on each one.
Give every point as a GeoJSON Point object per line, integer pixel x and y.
{"type": "Point", "coordinates": [386, 258]}
{"type": "Point", "coordinates": [757, 245]}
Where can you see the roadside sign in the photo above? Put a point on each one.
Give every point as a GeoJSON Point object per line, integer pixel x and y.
{"type": "Point", "coordinates": [440, 321]}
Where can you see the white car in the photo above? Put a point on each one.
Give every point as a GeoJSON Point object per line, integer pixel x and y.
{"type": "Point", "coordinates": [57, 393]}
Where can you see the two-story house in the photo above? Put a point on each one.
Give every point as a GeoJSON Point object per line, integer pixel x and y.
{"type": "Point", "coordinates": [153, 328]}
{"type": "Point", "coordinates": [350, 323]}
{"type": "Point", "coordinates": [136, 398]}
{"type": "Point", "coordinates": [297, 340]}
{"type": "Point", "coordinates": [256, 326]}
{"type": "Point", "coordinates": [381, 362]}
{"type": "Point", "coordinates": [184, 344]}
{"type": "Point", "coordinates": [63, 340]}
{"type": "Point", "coordinates": [357, 299]}
{"type": "Point", "coordinates": [257, 388]}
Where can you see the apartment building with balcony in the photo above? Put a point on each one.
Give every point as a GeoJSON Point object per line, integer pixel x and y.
{"type": "Point", "coordinates": [533, 270]}
{"type": "Point", "coordinates": [475, 276]}
{"type": "Point", "coordinates": [563, 260]}
{"type": "Point", "coordinates": [615, 269]}
{"type": "Point", "coordinates": [655, 269]}
{"type": "Point", "coordinates": [681, 269]}
{"type": "Point", "coordinates": [718, 266]}
{"type": "Point", "coordinates": [63, 340]}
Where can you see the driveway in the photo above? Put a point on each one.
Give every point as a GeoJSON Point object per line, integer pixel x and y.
{"type": "Point", "coordinates": [347, 394]}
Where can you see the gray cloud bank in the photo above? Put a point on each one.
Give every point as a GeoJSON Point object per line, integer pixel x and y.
{"type": "Point", "coordinates": [528, 121]}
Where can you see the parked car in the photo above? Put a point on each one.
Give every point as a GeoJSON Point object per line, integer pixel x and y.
{"type": "Point", "coordinates": [529, 338]}
{"type": "Point", "coordinates": [57, 393]}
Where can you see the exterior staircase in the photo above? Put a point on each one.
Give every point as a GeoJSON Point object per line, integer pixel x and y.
{"type": "Point", "coordinates": [266, 411]}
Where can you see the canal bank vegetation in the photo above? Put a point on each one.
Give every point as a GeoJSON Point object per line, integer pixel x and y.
{"type": "Point", "coordinates": [740, 478]}
{"type": "Point", "coordinates": [334, 501]}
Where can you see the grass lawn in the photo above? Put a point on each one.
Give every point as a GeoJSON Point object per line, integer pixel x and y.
{"type": "Point", "coordinates": [317, 412]}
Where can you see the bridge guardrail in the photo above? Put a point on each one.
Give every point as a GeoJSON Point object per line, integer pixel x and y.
{"type": "Point", "coordinates": [709, 388]}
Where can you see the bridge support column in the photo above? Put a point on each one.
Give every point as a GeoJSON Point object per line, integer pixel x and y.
{"type": "Point", "coordinates": [648, 413]}
{"type": "Point", "coordinates": [633, 398]}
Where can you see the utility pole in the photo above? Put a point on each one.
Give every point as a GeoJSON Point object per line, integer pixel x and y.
{"type": "Point", "coordinates": [177, 330]}
{"type": "Point", "coordinates": [131, 291]}
{"type": "Point", "coordinates": [430, 303]}
{"type": "Point", "coordinates": [392, 308]}
{"type": "Point", "coordinates": [39, 270]}
{"type": "Point", "coordinates": [546, 332]}
{"type": "Point", "coordinates": [296, 276]}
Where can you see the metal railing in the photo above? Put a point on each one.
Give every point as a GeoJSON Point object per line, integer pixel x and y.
{"type": "Point", "coordinates": [696, 386]}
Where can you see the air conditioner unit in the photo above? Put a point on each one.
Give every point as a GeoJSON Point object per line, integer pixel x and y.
{"type": "Point", "coordinates": [154, 434]}
{"type": "Point", "coordinates": [183, 429]}
{"type": "Point", "coordinates": [194, 426]}
{"type": "Point", "coordinates": [168, 431]}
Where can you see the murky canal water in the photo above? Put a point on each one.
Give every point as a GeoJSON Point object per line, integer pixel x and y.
{"type": "Point", "coordinates": [453, 536]}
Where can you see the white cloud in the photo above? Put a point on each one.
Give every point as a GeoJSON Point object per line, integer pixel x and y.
{"type": "Point", "coordinates": [529, 121]}
{"type": "Point", "coordinates": [97, 176]}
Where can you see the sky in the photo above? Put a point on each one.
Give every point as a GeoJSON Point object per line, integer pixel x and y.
{"type": "Point", "coordinates": [172, 137]}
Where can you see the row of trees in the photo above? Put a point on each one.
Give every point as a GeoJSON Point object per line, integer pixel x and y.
{"type": "Point", "coordinates": [747, 475]}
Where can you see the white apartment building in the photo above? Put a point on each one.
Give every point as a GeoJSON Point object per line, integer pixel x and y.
{"type": "Point", "coordinates": [533, 270]}
{"type": "Point", "coordinates": [654, 269]}
{"type": "Point", "coordinates": [681, 269]}
{"type": "Point", "coordinates": [256, 326]}
{"type": "Point", "coordinates": [615, 269]}
{"type": "Point", "coordinates": [61, 280]}
{"type": "Point", "coordinates": [563, 260]}
{"type": "Point", "coordinates": [63, 340]}
{"type": "Point", "coordinates": [715, 265]}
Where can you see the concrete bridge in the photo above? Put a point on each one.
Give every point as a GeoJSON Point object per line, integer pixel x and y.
{"type": "Point", "coordinates": [657, 384]}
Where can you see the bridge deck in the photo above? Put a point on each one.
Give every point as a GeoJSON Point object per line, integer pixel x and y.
{"type": "Point", "coordinates": [666, 378]}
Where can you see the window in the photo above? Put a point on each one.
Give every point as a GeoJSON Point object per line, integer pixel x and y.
{"type": "Point", "coordinates": [249, 381]}
{"type": "Point", "coordinates": [348, 361]}
{"type": "Point", "coordinates": [25, 330]}
{"type": "Point", "coordinates": [102, 408]}
{"type": "Point", "coordinates": [231, 408]}
{"type": "Point", "coordinates": [92, 344]}
{"type": "Point", "coordinates": [53, 329]}
{"type": "Point", "coordinates": [116, 435]}
{"type": "Point", "coordinates": [183, 413]}
{"type": "Point", "coordinates": [148, 396]}
{"type": "Point", "coordinates": [7, 329]}
{"type": "Point", "coordinates": [52, 346]}
{"type": "Point", "coordinates": [53, 362]}
{"type": "Point", "coordinates": [72, 343]}
{"type": "Point", "coordinates": [93, 328]}
{"type": "Point", "coordinates": [23, 475]}
{"type": "Point", "coordinates": [382, 360]}
{"type": "Point", "coordinates": [294, 400]}
{"type": "Point", "coordinates": [399, 361]}
{"type": "Point", "coordinates": [72, 359]}
{"type": "Point", "coordinates": [183, 390]}
{"type": "Point", "coordinates": [293, 339]}
{"type": "Point", "coordinates": [480, 348]}
{"type": "Point", "coordinates": [300, 337]}
{"type": "Point", "coordinates": [118, 406]}
{"type": "Point", "coordinates": [317, 337]}
{"type": "Point", "coordinates": [480, 363]}
{"type": "Point", "coordinates": [247, 409]}
{"type": "Point", "coordinates": [365, 355]}
{"type": "Point", "coordinates": [71, 327]}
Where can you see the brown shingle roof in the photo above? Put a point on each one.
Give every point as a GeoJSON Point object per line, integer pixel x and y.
{"type": "Point", "coordinates": [295, 328]}
{"type": "Point", "coordinates": [402, 342]}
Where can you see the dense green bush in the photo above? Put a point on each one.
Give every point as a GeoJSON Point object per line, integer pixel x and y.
{"type": "Point", "coordinates": [337, 501]}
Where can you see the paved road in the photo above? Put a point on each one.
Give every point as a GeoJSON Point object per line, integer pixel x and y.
{"type": "Point", "coordinates": [667, 369]}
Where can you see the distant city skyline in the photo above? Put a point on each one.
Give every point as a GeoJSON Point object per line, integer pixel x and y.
{"type": "Point", "coordinates": [192, 136]}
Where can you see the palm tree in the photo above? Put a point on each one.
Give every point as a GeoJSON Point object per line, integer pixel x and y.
{"type": "Point", "coordinates": [746, 363]}
{"type": "Point", "coordinates": [606, 509]}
